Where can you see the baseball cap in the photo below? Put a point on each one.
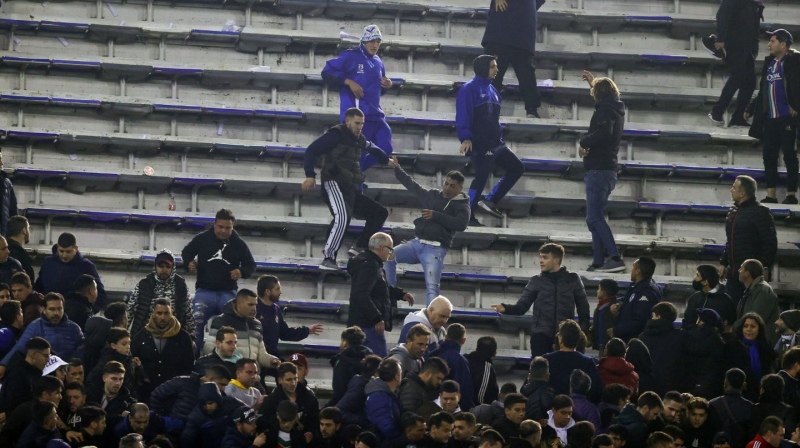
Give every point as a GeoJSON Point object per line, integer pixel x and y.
{"type": "Point", "coordinates": [709, 316]}
{"type": "Point", "coordinates": [244, 414]}
{"type": "Point", "coordinates": [165, 256]}
{"type": "Point", "coordinates": [53, 364]}
{"type": "Point", "coordinates": [782, 35]}
{"type": "Point", "coordinates": [299, 359]}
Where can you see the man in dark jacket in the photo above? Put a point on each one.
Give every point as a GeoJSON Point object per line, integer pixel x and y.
{"type": "Point", "coordinates": [511, 36]}
{"type": "Point", "coordinates": [8, 265]}
{"type": "Point", "coordinates": [163, 347]}
{"type": "Point", "coordinates": [352, 402]}
{"type": "Point", "coordinates": [289, 389]}
{"type": "Point", "coordinates": [567, 358]}
{"type": "Point", "coordinates": [32, 302]}
{"type": "Point", "coordinates": [346, 363]}
{"type": "Point", "coordinates": [60, 270]}
{"type": "Point", "coordinates": [206, 424]}
{"type": "Point", "coordinates": [599, 150]}
{"type": "Point", "coordinates": [484, 378]}
{"type": "Point", "coordinates": [637, 303]}
{"type": "Point", "coordinates": [736, 42]}
{"type": "Point", "coordinates": [176, 397]}
{"type": "Point", "coordinates": [19, 233]}
{"type": "Point", "coordinates": [165, 283]}
{"type": "Point", "coordinates": [150, 425]}
{"type": "Point", "coordinates": [341, 148]}
{"type": "Point", "coordinates": [271, 317]}
{"type": "Point", "coordinates": [382, 408]}
{"type": "Point", "coordinates": [220, 257]}
{"type": "Point", "coordinates": [708, 294]}
{"type": "Point", "coordinates": [774, 112]}
{"type": "Point", "coordinates": [537, 390]}
{"type": "Point", "coordinates": [750, 232]}
{"type": "Point", "coordinates": [444, 212]}
{"type": "Point", "coordinates": [372, 300]}
{"type": "Point", "coordinates": [481, 136]}
{"type": "Point", "coordinates": [790, 369]}
{"type": "Point", "coordinates": [8, 200]}
{"type": "Point", "coordinates": [663, 341]}
{"type": "Point", "coordinates": [243, 432]}
{"type": "Point", "coordinates": [450, 352]}
{"type": "Point", "coordinates": [78, 304]}
{"type": "Point", "coordinates": [112, 397]}
{"type": "Point", "coordinates": [224, 353]}
{"type": "Point", "coordinates": [97, 328]}
{"type": "Point", "coordinates": [555, 294]}
{"type": "Point", "coordinates": [702, 355]}
{"type": "Point", "coordinates": [43, 427]}
{"type": "Point", "coordinates": [417, 389]}
{"type": "Point", "coordinates": [635, 418]}
{"type": "Point", "coordinates": [18, 383]}
{"type": "Point", "coordinates": [731, 412]}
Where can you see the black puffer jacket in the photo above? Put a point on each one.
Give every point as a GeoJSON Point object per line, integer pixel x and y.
{"type": "Point", "coordinates": [751, 234]}
{"type": "Point", "coordinates": [371, 298]}
{"type": "Point", "coordinates": [175, 358]}
{"type": "Point", "coordinates": [717, 301]}
{"type": "Point", "coordinates": [140, 302]}
{"type": "Point", "coordinates": [605, 133]}
{"type": "Point", "coordinates": [540, 399]}
{"type": "Point", "coordinates": [346, 365]}
{"type": "Point", "coordinates": [554, 296]}
{"type": "Point", "coordinates": [664, 342]}
{"type": "Point", "coordinates": [738, 24]}
{"type": "Point", "coordinates": [702, 351]}
{"type": "Point", "coordinates": [484, 378]}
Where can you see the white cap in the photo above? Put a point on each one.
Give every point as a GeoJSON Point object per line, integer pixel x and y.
{"type": "Point", "coordinates": [52, 364]}
{"type": "Point", "coordinates": [371, 32]}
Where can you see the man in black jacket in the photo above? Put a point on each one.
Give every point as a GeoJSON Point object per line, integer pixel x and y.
{"type": "Point", "coordinates": [223, 354]}
{"type": "Point", "coordinates": [638, 301]}
{"type": "Point", "coordinates": [22, 373]}
{"type": "Point", "coordinates": [444, 212]}
{"type": "Point", "coordinates": [774, 111]}
{"type": "Point", "coordinates": [599, 150]}
{"type": "Point", "coordinates": [346, 363]}
{"type": "Point", "coordinates": [664, 342]}
{"type": "Point", "coordinates": [372, 300]}
{"type": "Point", "coordinates": [8, 200]}
{"type": "Point", "coordinates": [751, 233]}
{"type": "Point", "coordinates": [111, 395]}
{"type": "Point", "coordinates": [19, 233]}
{"type": "Point", "coordinates": [341, 148]}
{"type": "Point", "coordinates": [555, 294]}
{"type": "Point", "coordinates": [736, 42]}
{"type": "Point", "coordinates": [78, 305]}
{"type": "Point", "coordinates": [708, 294]}
{"type": "Point", "coordinates": [731, 412]}
{"type": "Point", "coordinates": [220, 257]}
{"type": "Point", "coordinates": [289, 389]}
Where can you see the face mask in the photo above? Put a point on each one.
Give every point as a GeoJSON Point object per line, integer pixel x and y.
{"type": "Point", "coordinates": [697, 285]}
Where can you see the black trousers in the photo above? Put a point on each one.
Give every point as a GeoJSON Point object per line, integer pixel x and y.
{"type": "Point", "coordinates": [344, 203]}
{"type": "Point", "coordinates": [742, 65]}
{"type": "Point", "coordinates": [522, 63]}
{"type": "Point", "coordinates": [780, 135]}
{"type": "Point", "coordinates": [541, 344]}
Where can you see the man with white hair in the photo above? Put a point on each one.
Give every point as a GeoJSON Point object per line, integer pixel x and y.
{"type": "Point", "coordinates": [435, 316]}
{"type": "Point", "coordinates": [372, 300]}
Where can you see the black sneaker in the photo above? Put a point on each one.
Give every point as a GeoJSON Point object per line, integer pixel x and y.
{"type": "Point", "coordinates": [708, 43]}
{"type": "Point", "coordinates": [488, 206]}
{"type": "Point", "coordinates": [717, 119]}
{"type": "Point", "coordinates": [534, 114]}
{"type": "Point", "coordinates": [738, 123]}
{"type": "Point", "coordinates": [790, 200]}
{"type": "Point", "coordinates": [475, 223]}
{"type": "Point", "coordinates": [769, 200]}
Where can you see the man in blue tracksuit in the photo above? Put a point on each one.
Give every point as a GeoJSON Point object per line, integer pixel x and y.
{"type": "Point", "coordinates": [478, 127]}
{"type": "Point", "coordinates": [361, 78]}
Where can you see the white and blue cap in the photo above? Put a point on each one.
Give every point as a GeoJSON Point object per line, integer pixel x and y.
{"type": "Point", "coordinates": [371, 32]}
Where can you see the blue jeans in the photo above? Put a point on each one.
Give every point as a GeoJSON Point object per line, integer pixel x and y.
{"type": "Point", "coordinates": [599, 185]}
{"type": "Point", "coordinates": [413, 252]}
{"type": "Point", "coordinates": [376, 342]}
{"type": "Point", "coordinates": [205, 305]}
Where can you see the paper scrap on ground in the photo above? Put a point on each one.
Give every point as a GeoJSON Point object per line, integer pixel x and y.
{"type": "Point", "coordinates": [112, 9]}
{"type": "Point", "coordinates": [73, 157]}
{"type": "Point", "coordinates": [545, 83]}
{"type": "Point", "coordinates": [220, 128]}
{"type": "Point", "coordinates": [260, 68]}
{"type": "Point", "coordinates": [17, 40]}
{"type": "Point", "coordinates": [63, 41]}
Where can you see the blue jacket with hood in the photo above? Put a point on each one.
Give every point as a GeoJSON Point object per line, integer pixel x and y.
{"type": "Point", "coordinates": [478, 115]}
{"type": "Point", "coordinates": [202, 429]}
{"type": "Point", "coordinates": [57, 276]}
{"type": "Point", "coordinates": [65, 338]}
{"type": "Point", "coordinates": [367, 71]}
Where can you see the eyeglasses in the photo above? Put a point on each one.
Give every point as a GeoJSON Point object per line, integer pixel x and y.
{"type": "Point", "coordinates": [391, 249]}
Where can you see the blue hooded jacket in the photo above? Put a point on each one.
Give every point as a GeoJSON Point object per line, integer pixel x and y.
{"type": "Point", "coordinates": [57, 276]}
{"type": "Point", "coordinates": [636, 306]}
{"type": "Point", "coordinates": [478, 115]}
{"type": "Point", "coordinates": [450, 352]}
{"type": "Point", "coordinates": [366, 71]}
{"type": "Point", "coordinates": [382, 409]}
{"type": "Point", "coordinates": [202, 429]}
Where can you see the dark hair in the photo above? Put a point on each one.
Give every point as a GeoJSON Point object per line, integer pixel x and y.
{"type": "Point", "coordinates": [225, 215]}
{"type": "Point", "coordinates": [616, 347]}
{"type": "Point", "coordinates": [162, 301]}
{"type": "Point", "coordinates": [331, 413]}
{"type": "Point", "coordinates": [130, 440]}
{"type": "Point", "coordinates": [16, 224]}
{"type": "Point", "coordinates": [353, 336]}
{"type": "Point", "coordinates": [562, 401]}
{"type": "Point", "coordinates": [75, 362]}
{"type": "Point", "coordinates": [37, 343]}
{"type": "Point", "coordinates": [618, 430]}
{"type": "Point", "coordinates": [265, 282]}
{"type": "Point", "coordinates": [369, 365]}
{"type": "Point", "coordinates": [52, 297]}
{"type": "Point", "coordinates": [710, 274]}
{"type": "Point", "coordinates": [512, 399]}
{"type": "Point", "coordinates": [580, 435]}
{"type": "Point", "coordinates": [9, 311]}
{"type": "Point", "coordinates": [665, 310]}
{"type": "Point", "coordinates": [675, 432]}
{"type": "Point", "coordinates": [639, 355]}
{"type": "Point", "coordinates": [286, 367]}
{"type": "Point", "coordinates": [450, 387]}
{"type": "Point", "coordinates": [223, 331]}
{"type": "Point", "coordinates": [435, 365]}
{"type": "Point", "coordinates": [602, 440]}
{"type": "Point", "coordinates": [456, 176]}
{"type": "Point", "coordinates": [659, 438]}
{"type": "Point", "coordinates": [790, 357]}
{"type": "Point", "coordinates": [486, 347]}
{"type": "Point", "coordinates": [410, 420]}
{"type": "Point", "coordinates": [116, 334]}
{"type": "Point", "coordinates": [67, 239]}
{"type": "Point", "coordinates": [579, 382]}
{"type": "Point", "coordinates": [609, 286]}
{"type": "Point", "coordinates": [245, 293]}
{"type": "Point", "coordinates": [456, 332]}
{"type": "Point", "coordinates": [696, 403]}
{"type": "Point", "coordinates": [764, 348]}
{"type": "Point", "coordinates": [82, 282]}
{"type": "Point", "coordinates": [554, 249]}
{"type": "Point", "coordinates": [748, 184]}
{"type": "Point", "coordinates": [388, 369]}
{"type": "Point", "coordinates": [242, 363]}
{"type": "Point", "coordinates": [440, 417]}
{"type": "Point", "coordinates": [218, 371]}
{"type": "Point", "coordinates": [480, 65]}
{"type": "Point", "coordinates": [47, 384]}
{"type": "Point", "coordinates": [116, 311]}
{"type": "Point", "coordinates": [491, 436]}
{"type": "Point", "coordinates": [771, 389]}
{"type": "Point", "coordinates": [647, 266]}
{"type": "Point", "coordinates": [613, 393]}
{"type": "Point", "coordinates": [770, 424]}
{"type": "Point", "coordinates": [41, 410]}
{"type": "Point", "coordinates": [508, 388]}
{"type": "Point", "coordinates": [735, 378]}
{"type": "Point", "coordinates": [21, 278]}
{"type": "Point", "coordinates": [74, 385]}
{"type": "Point", "coordinates": [675, 396]}
{"type": "Point", "coordinates": [753, 267]}
{"type": "Point", "coordinates": [570, 333]}
{"type": "Point", "coordinates": [651, 400]}
{"type": "Point", "coordinates": [5, 287]}
{"type": "Point", "coordinates": [91, 414]}
{"type": "Point", "coordinates": [353, 112]}
{"type": "Point", "coordinates": [529, 428]}
{"type": "Point", "coordinates": [113, 367]}
{"type": "Point", "coordinates": [418, 330]}
{"type": "Point", "coordinates": [467, 417]}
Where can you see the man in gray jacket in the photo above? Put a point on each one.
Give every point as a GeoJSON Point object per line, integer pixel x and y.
{"type": "Point", "coordinates": [409, 354]}
{"type": "Point", "coordinates": [758, 297]}
{"type": "Point", "coordinates": [556, 293]}
{"type": "Point", "coordinates": [444, 212]}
